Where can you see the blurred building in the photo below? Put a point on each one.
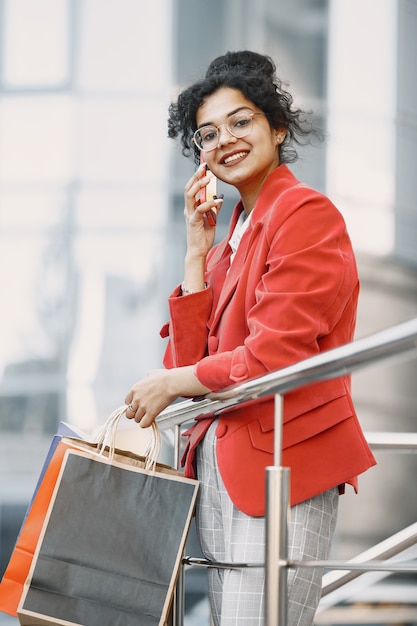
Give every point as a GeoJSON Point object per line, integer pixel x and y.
{"type": "Point", "coordinates": [91, 201]}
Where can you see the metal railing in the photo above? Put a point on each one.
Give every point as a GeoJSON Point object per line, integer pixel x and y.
{"type": "Point", "coordinates": [393, 343]}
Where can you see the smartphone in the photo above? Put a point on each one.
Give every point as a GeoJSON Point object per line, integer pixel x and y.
{"type": "Point", "coordinates": [209, 193]}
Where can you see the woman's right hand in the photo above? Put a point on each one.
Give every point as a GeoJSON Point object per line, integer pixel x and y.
{"type": "Point", "coordinates": [200, 235]}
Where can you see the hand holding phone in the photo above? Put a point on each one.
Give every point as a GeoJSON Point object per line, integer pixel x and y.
{"type": "Point", "coordinates": [209, 193]}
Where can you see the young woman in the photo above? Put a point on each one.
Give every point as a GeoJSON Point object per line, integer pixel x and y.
{"type": "Point", "coordinates": [281, 287]}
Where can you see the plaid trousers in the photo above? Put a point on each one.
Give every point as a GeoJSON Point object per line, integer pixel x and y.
{"type": "Point", "coordinates": [226, 534]}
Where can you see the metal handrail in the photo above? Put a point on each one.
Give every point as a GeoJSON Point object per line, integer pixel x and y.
{"type": "Point", "coordinates": [392, 442]}
{"type": "Point", "coordinates": [386, 549]}
{"type": "Point", "coordinates": [387, 344]}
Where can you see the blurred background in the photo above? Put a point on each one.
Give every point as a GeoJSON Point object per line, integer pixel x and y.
{"type": "Point", "coordinates": [91, 201]}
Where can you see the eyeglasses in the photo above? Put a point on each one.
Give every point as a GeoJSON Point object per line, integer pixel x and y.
{"type": "Point", "coordinates": [238, 125]}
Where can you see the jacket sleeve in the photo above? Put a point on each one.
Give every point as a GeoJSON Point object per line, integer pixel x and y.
{"type": "Point", "coordinates": [187, 329]}
{"type": "Point", "coordinates": [306, 285]}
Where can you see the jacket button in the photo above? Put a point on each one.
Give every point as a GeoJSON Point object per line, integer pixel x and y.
{"type": "Point", "coordinates": [221, 430]}
{"type": "Point", "coordinates": [238, 371]}
{"type": "Point", "coordinates": [213, 344]}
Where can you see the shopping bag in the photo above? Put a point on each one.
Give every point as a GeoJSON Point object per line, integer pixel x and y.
{"type": "Point", "coordinates": [11, 586]}
{"type": "Point", "coordinates": [124, 435]}
{"type": "Point", "coordinates": [112, 542]}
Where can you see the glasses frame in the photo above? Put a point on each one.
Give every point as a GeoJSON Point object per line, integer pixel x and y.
{"type": "Point", "coordinates": [250, 114]}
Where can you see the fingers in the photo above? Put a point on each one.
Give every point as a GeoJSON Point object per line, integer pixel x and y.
{"type": "Point", "coordinates": [192, 188]}
{"type": "Point", "coordinates": [138, 414]}
{"type": "Point", "coordinates": [147, 398]}
{"type": "Point", "coordinates": [131, 411]}
{"type": "Point", "coordinates": [143, 413]}
{"type": "Point", "coordinates": [197, 211]}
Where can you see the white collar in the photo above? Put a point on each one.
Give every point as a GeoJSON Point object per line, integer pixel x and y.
{"type": "Point", "coordinates": [241, 227]}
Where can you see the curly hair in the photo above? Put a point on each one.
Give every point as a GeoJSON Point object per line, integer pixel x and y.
{"type": "Point", "coordinates": [254, 75]}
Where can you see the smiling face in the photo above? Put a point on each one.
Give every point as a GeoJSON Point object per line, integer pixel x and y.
{"type": "Point", "coordinates": [243, 162]}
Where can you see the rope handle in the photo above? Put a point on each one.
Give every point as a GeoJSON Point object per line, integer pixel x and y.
{"type": "Point", "coordinates": [105, 435]}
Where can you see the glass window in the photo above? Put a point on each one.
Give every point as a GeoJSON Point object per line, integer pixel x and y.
{"type": "Point", "coordinates": [128, 51]}
{"type": "Point", "coordinates": [122, 140]}
{"type": "Point", "coordinates": [36, 43]}
{"type": "Point", "coordinates": [84, 92]}
{"type": "Point", "coordinates": [36, 139]}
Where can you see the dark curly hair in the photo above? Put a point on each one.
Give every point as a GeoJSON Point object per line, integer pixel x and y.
{"type": "Point", "coordinates": [254, 75]}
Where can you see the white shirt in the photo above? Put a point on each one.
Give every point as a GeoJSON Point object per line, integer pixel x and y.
{"type": "Point", "coordinates": [240, 229]}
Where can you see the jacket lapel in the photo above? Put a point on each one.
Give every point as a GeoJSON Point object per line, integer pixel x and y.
{"type": "Point", "coordinates": [235, 271]}
{"type": "Point", "coordinates": [277, 182]}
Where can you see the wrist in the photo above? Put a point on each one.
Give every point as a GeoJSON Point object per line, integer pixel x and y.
{"type": "Point", "coordinates": [182, 381]}
{"type": "Point", "coordinates": [187, 292]}
{"type": "Point", "coordinates": [194, 268]}
{"type": "Point", "coordinates": [195, 263]}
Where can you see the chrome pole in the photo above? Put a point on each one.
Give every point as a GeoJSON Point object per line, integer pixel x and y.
{"type": "Point", "coordinates": [276, 546]}
{"type": "Point", "coordinates": [276, 529]}
{"type": "Point", "coordinates": [278, 422]}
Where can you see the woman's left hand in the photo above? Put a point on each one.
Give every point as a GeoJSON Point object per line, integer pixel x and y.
{"type": "Point", "coordinates": [148, 397]}
{"type": "Point", "coordinates": [151, 395]}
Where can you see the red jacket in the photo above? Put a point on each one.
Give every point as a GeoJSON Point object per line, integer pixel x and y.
{"type": "Point", "coordinates": [291, 293]}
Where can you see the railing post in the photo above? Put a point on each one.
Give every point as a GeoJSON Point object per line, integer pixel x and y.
{"type": "Point", "coordinates": [276, 534]}
{"type": "Point", "coordinates": [276, 553]}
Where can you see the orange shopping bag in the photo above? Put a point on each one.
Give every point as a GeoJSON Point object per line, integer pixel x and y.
{"type": "Point", "coordinates": [12, 584]}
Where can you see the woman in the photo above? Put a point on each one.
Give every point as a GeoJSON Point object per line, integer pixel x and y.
{"type": "Point", "coordinates": [281, 287]}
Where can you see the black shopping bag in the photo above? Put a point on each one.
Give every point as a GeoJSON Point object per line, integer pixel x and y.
{"type": "Point", "coordinates": [112, 542]}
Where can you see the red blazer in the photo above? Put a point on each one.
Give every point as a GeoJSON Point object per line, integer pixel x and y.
{"type": "Point", "coordinates": [291, 293]}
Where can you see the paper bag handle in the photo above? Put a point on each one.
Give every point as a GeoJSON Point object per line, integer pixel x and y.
{"type": "Point", "coordinates": [106, 436]}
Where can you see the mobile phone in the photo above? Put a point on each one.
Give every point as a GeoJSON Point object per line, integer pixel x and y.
{"type": "Point", "coordinates": [209, 193]}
